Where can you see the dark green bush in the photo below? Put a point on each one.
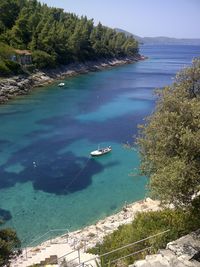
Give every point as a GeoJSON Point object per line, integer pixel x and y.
{"type": "Point", "coordinates": [5, 51]}
{"type": "Point", "coordinates": [42, 59]}
{"type": "Point", "coordinates": [9, 246]}
{"type": "Point", "coordinates": [4, 70]}
{"type": "Point", "coordinates": [13, 66]}
{"type": "Point", "coordinates": [8, 67]}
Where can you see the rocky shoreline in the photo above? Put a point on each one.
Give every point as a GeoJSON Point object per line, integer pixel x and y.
{"type": "Point", "coordinates": [22, 85]}
{"type": "Point", "coordinates": [68, 244]}
{"type": "Point", "coordinates": [90, 235]}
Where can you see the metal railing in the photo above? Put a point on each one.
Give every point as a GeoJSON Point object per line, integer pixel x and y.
{"type": "Point", "coordinates": [47, 234]}
{"type": "Point", "coordinates": [76, 260]}
{"type": "Point", "coordinates": [131, 254]}
{"type": "Point", "coordinates": [45, 238]}
{"type": "Point", "coordinates": [97, 258]}
{"type": "Point", "coordinates": [71, 260]}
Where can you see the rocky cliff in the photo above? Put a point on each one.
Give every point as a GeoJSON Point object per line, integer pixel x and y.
{"type": "Point", "coordinates": [183, 252]}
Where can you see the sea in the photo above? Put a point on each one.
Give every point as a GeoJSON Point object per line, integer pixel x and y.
{"type": "Point", "coordinates": [48, 181]}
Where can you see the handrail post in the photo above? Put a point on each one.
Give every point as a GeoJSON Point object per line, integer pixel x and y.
{"type": "Point", "coordinates": [67, 235]}
{"type": "Point", "coordinates": [26, 253]}
{"type": "Point", "coordinates": [79, 256]}
{"type": "Point", "coordinates": [84, 248]}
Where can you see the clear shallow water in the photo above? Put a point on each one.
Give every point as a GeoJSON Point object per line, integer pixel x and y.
{"type": "Point", "coordinates": [57, 128]}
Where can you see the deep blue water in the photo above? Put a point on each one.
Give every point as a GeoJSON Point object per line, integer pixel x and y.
{"type": "Point", "coordinates": [47, 179]}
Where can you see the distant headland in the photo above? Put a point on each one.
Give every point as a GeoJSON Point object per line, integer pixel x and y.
{"type": "Point", "coordinates": [161, 39]}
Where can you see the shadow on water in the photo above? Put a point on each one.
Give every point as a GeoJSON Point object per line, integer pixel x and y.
{"type": "Point", "coordinates": [48, 171]}
{"type": "Point", "coordinates": [96, 99]}
{"type": "Point", "coordinates": [5, 215]}
{"type": "Point", "coordinates": [118, 129]}
{"type": "Point", "coordinates": [65, 176]}
{"type": "Point", "coordinates": [57, 175]}
{"type": "Point", "coordinates": [4, 143]}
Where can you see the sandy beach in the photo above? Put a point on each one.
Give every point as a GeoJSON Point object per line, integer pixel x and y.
{"type": "Point", "coordinates": [84, 238]}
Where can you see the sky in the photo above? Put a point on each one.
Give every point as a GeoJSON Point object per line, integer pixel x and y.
{"type": "Point", "coordinates": [145, 18]}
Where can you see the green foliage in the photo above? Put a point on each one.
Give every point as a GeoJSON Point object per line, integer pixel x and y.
{"type": "Point", "coordinates": [5, 51]}
{"type": "Point", "coordinates": [9, 246]}
{"type": "Point", "coordinates": [13, 66]}
{"type": "Point", "coordinates": [64, 36]}
{"type": "Point", "coordinates": [8, 67]}
{"type": "Point", "coordinates": [4, 70]}
{"type": "Point", "coordinates": [9, 10]}
{"type": "Point", "coordinates": [146, 224]}
{"type": "Point", "coordinates": [169, 142]}
{"type": "Point", "coordinates": [101, 263]}
{"type": "Point", "coordinates": [42, 59]}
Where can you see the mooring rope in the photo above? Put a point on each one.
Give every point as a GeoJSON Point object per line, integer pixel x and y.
{"type": "Point", "coordinates": [78, 174]}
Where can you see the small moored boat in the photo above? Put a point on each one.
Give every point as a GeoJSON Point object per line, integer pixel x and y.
{"type": "Point", "coordinates": [101, 151]}
{"type": "Point", "coordinates": [61, 84]}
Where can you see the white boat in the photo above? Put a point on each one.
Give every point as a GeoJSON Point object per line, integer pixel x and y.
{"type": "Point", "coordinates": [101, 151]}
{"type": "Point", "coordinates": [61, 84]}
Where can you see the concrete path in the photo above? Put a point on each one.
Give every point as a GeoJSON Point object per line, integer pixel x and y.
{"type": "Point", "coordinates": [62, 251]}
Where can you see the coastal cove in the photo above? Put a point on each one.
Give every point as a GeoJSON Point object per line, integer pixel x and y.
{"type": "Point", "coordinates": [22, 85]}
{"type": "Point", "coordinates": [57, 128]}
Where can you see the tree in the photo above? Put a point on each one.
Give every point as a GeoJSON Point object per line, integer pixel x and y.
{"type": "Point", "coordinates": [169, 141]}
{"type": "Point", "coordinates": [42, 59]}
{"type": "Point", "coordinates": [5, 51]}
{"type": "Point", "coordinates": [9, 10]}
{"type": "Point", "coordinates": [7, 66]}
{"type": "Point", "coordinates": [28, 24]}
{"type": "Point", "coordinates": [9, 246]}
{"type": "Point", "coordinates": [79, 40]}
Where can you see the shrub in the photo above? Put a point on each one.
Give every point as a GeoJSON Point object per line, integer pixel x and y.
{"type": "Point", "coordinates": [5, 51]}
{"type": "Point", "coordinates": [42, 59]}
{"type": "Point", "coordinates": [8, 67]}
{"type": "Point", "coordinates": [4, 70]}
{"type": "Point", "coordinates": [146, 224]}
{"type": "Point", "coordinates": [9, 246]}
{"type": "Point", "coordinates": [13, 66]}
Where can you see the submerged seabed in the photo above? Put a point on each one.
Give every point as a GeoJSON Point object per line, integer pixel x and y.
{"type": "Point", "coordinates": [47, 179]}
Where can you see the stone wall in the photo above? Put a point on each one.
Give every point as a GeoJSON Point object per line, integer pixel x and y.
{"type": "Point", "coordinates": [183, 252]}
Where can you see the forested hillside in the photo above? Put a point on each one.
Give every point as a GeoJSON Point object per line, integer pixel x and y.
{"type": "Point", "coordinates": [56, 37]}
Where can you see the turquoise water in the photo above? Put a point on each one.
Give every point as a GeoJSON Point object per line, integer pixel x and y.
{"type": "Point", "coordinates": [47, 179]}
